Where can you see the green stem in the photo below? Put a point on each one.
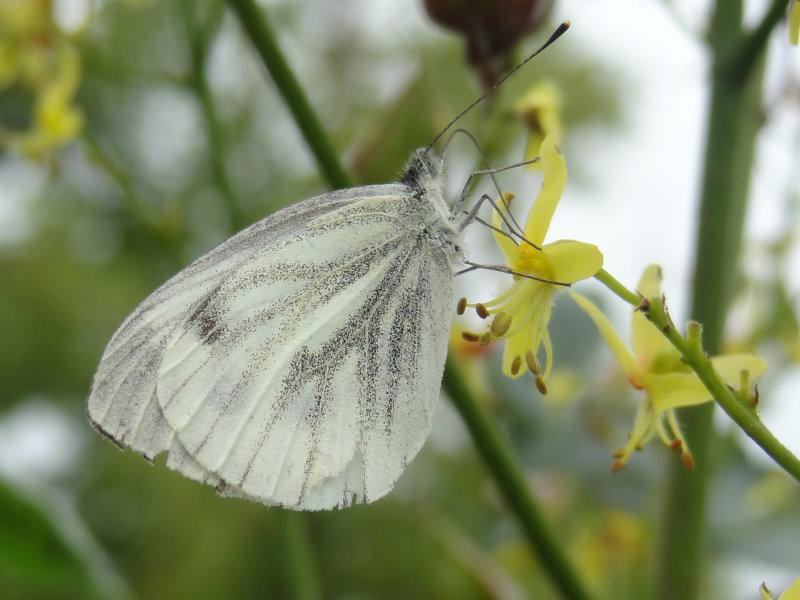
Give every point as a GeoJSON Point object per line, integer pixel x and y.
{"type": "Point", "coordinates": [199, 39]}
{"type": "Point", "coordinates": [159, 230]}
{"type": "Point", "coordinates": [254, 22]}
{"type": "Point", "coordinates": [298, 555]}
{"type": "Point", "coordinates": [511, 480]}
{"type": "Point", "coordinates": [749, 52]}
{"type": "Point", "coordinates": [619, 289]}
{"type": "Point", "coordinates": [733, 122]}
{"type": "Point", "coordinates": [495, 452]}
{"type": "Point", "coordinates": [696, 358]}
{"type": "Point", "coordinates": [132, 202]}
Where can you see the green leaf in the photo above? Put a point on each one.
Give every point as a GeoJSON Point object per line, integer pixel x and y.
{"type": "Point", "coordinates": [35, 560]}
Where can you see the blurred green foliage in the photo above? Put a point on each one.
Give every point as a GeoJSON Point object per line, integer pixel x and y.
{"type": "Point", "coordinates": [35, 562]}
{"type": "Point", "coordinates": [135, 198]}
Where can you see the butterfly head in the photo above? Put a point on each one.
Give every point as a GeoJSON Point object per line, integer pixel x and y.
{"type": "Point", "coordinates": [423, 169]}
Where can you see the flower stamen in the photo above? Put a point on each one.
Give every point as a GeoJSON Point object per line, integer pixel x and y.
{"type": "Point", "coordinates": [533, 364]}
{"type": "Point", "coordinates": [500, 324]}
{"type": "Point", "coordinates": [481, 310]}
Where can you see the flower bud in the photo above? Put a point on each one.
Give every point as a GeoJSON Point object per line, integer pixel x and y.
{"type": "Point", "coordinates": [490, 29]}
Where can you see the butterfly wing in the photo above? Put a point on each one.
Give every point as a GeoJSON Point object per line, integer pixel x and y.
{"type": "Point", "coordinates": [300, 368]}
{"type": "Point", "coordinates": [122, 403]}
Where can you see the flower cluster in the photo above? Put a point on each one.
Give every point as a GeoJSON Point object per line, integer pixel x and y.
{"type": "Point", "coordinates": [520, 315]}
{"type": "Point", "coordinates": [36, 56]}
{"type": "Point", "coordinates": [655, 367]}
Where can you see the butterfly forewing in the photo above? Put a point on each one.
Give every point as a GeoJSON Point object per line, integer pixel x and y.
{"type": "Point", "coordinates": [122, 402]}
{"type": "Point", "coordinates": [296, 364]}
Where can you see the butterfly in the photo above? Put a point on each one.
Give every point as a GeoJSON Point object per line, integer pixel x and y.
{"type": "Point", "coordinates": [299, 362]}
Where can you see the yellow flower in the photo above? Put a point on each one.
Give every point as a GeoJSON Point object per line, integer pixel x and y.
{"type": "Point", "coordinates": [794, 23]}
{"type": "Point", "coordinates": [540, 108]}
{"type": "Point", "coordinates": [655, 367]}
{"type": "Point", "coordinates": [791, 593]}
{"type": "Point", "coordinates": [520, 315]}
{"type": "Point", "coordinates": [56, 120]}
{"type": "Point", "coordinates": [27, 31]}
{"type": "Point", "coordinates": [37, 56]}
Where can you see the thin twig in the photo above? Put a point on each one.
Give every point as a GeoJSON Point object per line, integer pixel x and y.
{"type": "Point", "coordinates": [510, 478]}
{"type": "Point", "coordinates": [254, 22]}
{"type": "Point", "coordinates": [199, 40]}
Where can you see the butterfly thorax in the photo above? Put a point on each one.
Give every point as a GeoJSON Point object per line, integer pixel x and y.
{"type": "Point", "coordinates": [425, 176]}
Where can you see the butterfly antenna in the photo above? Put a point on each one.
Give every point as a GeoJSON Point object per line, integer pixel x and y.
{"type": "Point", "coordinates": [556, 34]}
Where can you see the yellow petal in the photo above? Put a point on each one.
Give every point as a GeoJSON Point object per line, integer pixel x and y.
{"type": "Point", "coordinates": [516, 345]}
{"type": "Point", "coordinates": [554, 179]}
{"type": "Point", "coordinates": [532, 148]}
{"type": "Point", "coordinates": [794, 23]}
{"type": "Point", "coordinates": [647, 340]}
{"type": "Point", "coordinates": [624, 356]}
{"type": "Point", "coordinates": [508, 247]}
{"type": "Point", "coordinates": [539, 108]}
{"type": "Point", "coordinates": [542, 96]}
{"type": "Point", "coordinates": [571, 261]}
{"type": "Point", "coordinates": [649, 284]}
{"type": "Point", "coordinates": [730, 366]}
{"type": "Point", "coordinates": [793, 591]}
{"type": "Point", "coordinates": [673, 390]}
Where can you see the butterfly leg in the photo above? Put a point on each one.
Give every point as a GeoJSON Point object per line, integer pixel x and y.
{"type": "Point", "coordinates": [471, 266]}
{"type": "Point", "coordinates": [513, 227]}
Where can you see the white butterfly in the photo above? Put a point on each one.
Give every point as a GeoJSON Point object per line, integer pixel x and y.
{"type": "Point", "coordinates": [299, 362]}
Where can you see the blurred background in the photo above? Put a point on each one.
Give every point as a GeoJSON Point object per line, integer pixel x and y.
{"type": "Point", "coordinates": [135, 135]}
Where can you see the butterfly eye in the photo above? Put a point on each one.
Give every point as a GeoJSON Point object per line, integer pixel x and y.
{"type": "Point", "coordinates": [430, 166]}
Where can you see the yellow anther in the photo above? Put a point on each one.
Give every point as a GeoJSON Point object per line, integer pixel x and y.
{"type": "Point", "coordinates": [533, 364]}
{"type": "Point", "coordinates": [482, 311]}
{"type": "Point", "coordinates": [688, 460]}
{"type": "Point", "coordinates": [500, 324]}
{"type": "Point", "coordinates": [516, 363]}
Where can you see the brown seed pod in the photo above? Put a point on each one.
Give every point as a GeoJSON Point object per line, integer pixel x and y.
{"type": "Point", "coordinates": [490, 28]}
